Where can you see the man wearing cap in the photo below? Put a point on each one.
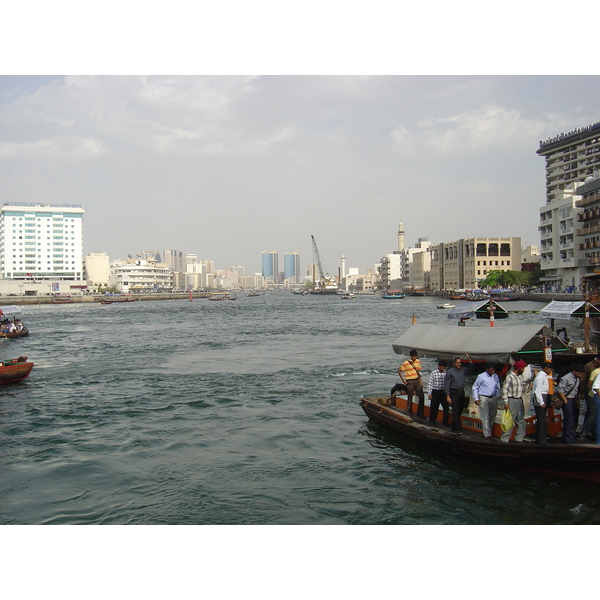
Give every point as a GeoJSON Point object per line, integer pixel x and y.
{"type": "Point", "coordinates": [486, 390]}
{"type": "Point", "coordinates": [512, 396]}
{"type": "Point", "coordinates": [568, 389]}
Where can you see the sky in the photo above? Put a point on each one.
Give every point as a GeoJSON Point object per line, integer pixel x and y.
{"type": "Point", "coordinates": [226, 167]}
{"type": "Point", "coordinates": [276, 135]}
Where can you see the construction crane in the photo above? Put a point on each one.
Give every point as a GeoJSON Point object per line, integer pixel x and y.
{"type": "Point", "coordinates": [317, 258]}
{"type": "Point", "coordinates": [325, 284]}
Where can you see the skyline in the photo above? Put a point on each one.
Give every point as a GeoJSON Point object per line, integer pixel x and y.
{"type": "Point", "coordinates": [225, 167]}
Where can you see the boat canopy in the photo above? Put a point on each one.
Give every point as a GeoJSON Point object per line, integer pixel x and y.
{"type": "Point", "coordinates": [10, 312]}
{"type": "Point", "coordinates": [479, 309]}
{"type": "Point", "coordinates": [566, 310]}
{"type": "Point", "coordinates": [492, 344]}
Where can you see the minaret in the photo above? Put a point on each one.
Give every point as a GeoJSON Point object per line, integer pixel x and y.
{"type": "Point", "coordinates": [343, 266]}
{"type": "Point", "coordinates": [400, 237]}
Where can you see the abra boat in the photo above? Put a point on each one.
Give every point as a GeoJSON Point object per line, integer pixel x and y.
{"type": "Point", "coordinates": [62, 299]}
{"type": "Point", "coordinates": [393, 295]}
{"type": "Point", "coordinates": [347, 296]}
{"type": "Point", "coordinates": [576, 461]}
{"type": "Point", "coordinates": [446, 305]}
{"type": "Point", "coordinates": [14, 370]}
{"type": "Point", "coordinates": [15, 315]}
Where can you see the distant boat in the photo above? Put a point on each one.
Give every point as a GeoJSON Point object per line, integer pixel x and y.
{"type": "Point", "coordinates": [62, 299]}
{"type": "Point", "coordinates": [347, 296]}
{"type": "Point", "coordinates": [446, 305]}
{"type": "Point", "coordinates": [393, 295]}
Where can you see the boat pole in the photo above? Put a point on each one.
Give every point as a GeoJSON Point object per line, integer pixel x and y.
{"type": "Point", "coordinates": [586, 328]}
{"type": "Point", "coordinates": [191, 295]}
{"type": "Point", "coordinates": [491, 311]}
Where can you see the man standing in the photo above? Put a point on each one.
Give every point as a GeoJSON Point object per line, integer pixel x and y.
{"type": "Point", "coordinates": [541, 399]}
{"type": "Point", "coordinates": [454, 387]}
{"type": "Point", "coordinates": [512, 395]}
{"type": "Point", "coordinates": [568, 388]}
{"type": "Point", "coordinates": [486, 390]}
{"type": "Point", "coordinates": [596, 390]}
{"type": "Point", "coordinates": [590, 374]}
{"type": "Point", "coordinates": [410, 373]}
{"type": "Point", "coordinates": [437, 395]}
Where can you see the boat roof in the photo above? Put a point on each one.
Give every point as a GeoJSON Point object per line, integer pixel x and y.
{"type": "Point", "coordinates": [492, 344]}
{"type": "Point", "coordinates": [10, 312]}
{"type": "Point", "coordinates": [566, 310]}
{"type": "Point", "coordinates": [468, 309]}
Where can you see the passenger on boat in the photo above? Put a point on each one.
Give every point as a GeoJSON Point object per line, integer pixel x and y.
{"type": "Point", "coordinates": [454, 386]}
{"type": "Point", "coordinates": [568, 389]}
{"type": "Point", "coordinates": [437, 395]}
{"type": "Point", "coordinates": [409, 372]}
{"type": "Point", "coordinates": [486, 391]}
{"type": "Point", "coordinates": [561, 334]}
{"type": "Point", "coordinates": [596, 390]}
{"type": "Point", "coordinates": [541, 398]}
{"type": "Point", "coordinates": [591, 371]}
{"type": "Point", "coordinates": [512, 396]}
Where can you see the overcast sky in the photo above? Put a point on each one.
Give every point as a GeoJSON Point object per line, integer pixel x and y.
{"type": "Point", "coordinates": [229, 166]}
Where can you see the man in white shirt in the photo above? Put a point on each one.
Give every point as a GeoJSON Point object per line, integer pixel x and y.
{"type": "Point", "coordinates": [541, 399]}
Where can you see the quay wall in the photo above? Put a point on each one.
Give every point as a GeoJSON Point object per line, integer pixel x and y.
{"type": "Point", "coordinates": [86, 298]}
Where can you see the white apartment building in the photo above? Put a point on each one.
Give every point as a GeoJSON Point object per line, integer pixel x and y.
{"type": "Point", "coordinates": [391, 270]}
{"type": "Point", "coordinates": [41, 241]}
{"type": "Point", "coordinates": [137, 275]}
{"type": "Point", "coordinates": [570, 157]}
{"type": "Point", "coordinates": [560, 254]}
{"type": "Point", "coordinates": [96, 268]}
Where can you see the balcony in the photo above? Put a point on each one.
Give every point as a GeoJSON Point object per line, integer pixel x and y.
{"type": "Point", "coordinates": [588, 230]}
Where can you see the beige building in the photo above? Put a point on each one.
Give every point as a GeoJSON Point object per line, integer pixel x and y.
{"type": "Point", "coordinates": [96, 268]}
{"type": "Point", "coordinates": [465, 263]}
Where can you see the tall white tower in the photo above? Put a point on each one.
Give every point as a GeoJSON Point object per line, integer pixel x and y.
{"type": "Point", "coordinates": [343, 266]}
{"type": "Point", "coordinates": [400, 237]}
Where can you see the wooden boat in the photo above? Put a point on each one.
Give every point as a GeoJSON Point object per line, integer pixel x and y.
{"type": "Point", "coordinates": [215, 296]}
{"type": "Point", "coordinates": [14, 370]}
{"type": "Point", "coordinates": [393, 295]}
{"type": "Point", "coordinates": [347, 296]}
{"type": "Point", "coordinates": [62, 299]}
{"type": "Point", "coordinates": [577, 461]}
{"type": "Point", "coordinates": [446, 305]}
{"type": "Point", "coordinates": [16, 334]}
{"type": "Point", "coordinates": [14, 314]}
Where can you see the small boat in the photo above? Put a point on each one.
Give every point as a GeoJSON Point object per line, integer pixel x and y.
{"type": "Point", "coordinates": [114, 298]}
{"type": "Point", "coordinates": [252, 294]}
{"type": "Point", "coordinates": [347, 296]}
{"type": "Point", "coordinates": [12, 314]}
{"type": "Point", "coordinates": [62, 299]}
{"type": "Point", "coordinates": [446, 305]}
{"type": "Point", "coordinates": [393, 295]}
{"type": "Point", "coordinates": [222, 296]}
{"type": "Point", "coordinates": [14, 370]}
{"type": "Point", "coordinates": [576, 461]}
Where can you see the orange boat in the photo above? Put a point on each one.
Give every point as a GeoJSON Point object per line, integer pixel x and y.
{"type": "Point", "coordinates": [14, 370]}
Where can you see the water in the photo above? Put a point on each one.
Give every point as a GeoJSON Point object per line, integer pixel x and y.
{"type": "Point", "coordinates": [242, 412]}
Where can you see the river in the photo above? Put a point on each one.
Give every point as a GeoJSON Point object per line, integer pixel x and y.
{"type": "Point", "coordinates": [239, 412]}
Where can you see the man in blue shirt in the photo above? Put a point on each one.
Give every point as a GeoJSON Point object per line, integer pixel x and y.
{"type": "Point", "coordinates": [486, 390]}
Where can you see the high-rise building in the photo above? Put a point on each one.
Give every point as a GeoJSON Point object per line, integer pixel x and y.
{"type": "Point", "coordinates": [175, 260]}
{"type": "Point", "coordinates": [570, 157]}
{"type": "Point", "coordinates": [41, 241]}
{"type": "Point", "coordinates": [270, 266]}
{"type": "Point", "coordinates": [291, 270]}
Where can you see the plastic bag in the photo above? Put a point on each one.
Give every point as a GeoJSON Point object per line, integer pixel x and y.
{"type": "Point", "coordinates": [507, 421]}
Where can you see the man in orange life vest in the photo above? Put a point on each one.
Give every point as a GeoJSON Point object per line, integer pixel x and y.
{"type": "Point", "coordinates": [410, 373]}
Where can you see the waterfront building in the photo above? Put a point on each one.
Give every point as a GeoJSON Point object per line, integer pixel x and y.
{"type": "Point", "coordinates": [138, 275]}
{"type": "Point", "coordinates": [96, 268]}
{"type": "Point", "coordinates": [291, 270]}
{"type": "Point", "coordinates": [465, 263]}
{"type": "Point", "coordinates": [416, 264]}
{"type": "Point", "coordinates": [41, 241]}
{"type": "Point", "coordinates": [270, 266]}
{"type": "Point", "coordinates": [390, 271]}
{"type": "Point", "coordinates": [559, 250]}
{"type": "Point", "coordinates": [570, 157]}
{"type": "Point", "coordinates": [588, 232]}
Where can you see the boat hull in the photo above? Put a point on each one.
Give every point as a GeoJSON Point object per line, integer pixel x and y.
{"type": "Point", "coordinates": [13, 373]}
{"type": "Point", "coordinates": [577, 461]}
{"type": "Point", "coordinates": [16, 334]}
